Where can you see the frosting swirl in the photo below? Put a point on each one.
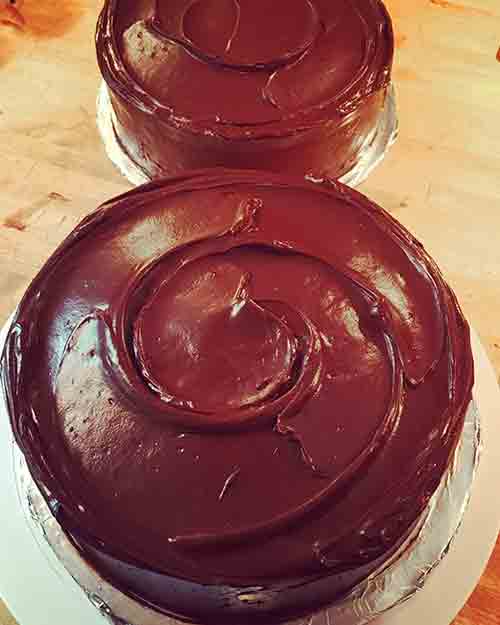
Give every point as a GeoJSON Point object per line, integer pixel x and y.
{"type": "Point", "coordinates": [306, 72]}
{"type": "Point", "coordinates": [235, 378]}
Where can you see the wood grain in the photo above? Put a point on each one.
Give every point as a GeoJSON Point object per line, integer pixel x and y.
{"type": "Point", "coordinates": [441, 179]}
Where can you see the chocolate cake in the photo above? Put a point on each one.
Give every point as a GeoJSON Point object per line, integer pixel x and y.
{"type": "Point", "coordinates": [283, 85]}
{"type": "Point", "coordinates": [238, 391]}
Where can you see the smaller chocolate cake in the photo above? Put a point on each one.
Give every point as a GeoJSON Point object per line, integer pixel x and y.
{"type": "Point", "coordinates": [283, 85]}
{"type": "Point", "coordinates": [238, 391]}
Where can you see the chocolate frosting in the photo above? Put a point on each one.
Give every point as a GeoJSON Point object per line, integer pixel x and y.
{"type": "Point", "coordinates": [233, 385]}
{"type": "Point", "coordinates": [245, 70]}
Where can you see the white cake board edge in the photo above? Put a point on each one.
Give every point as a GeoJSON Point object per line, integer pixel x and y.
{"type": "Point", "coordinates": [39, 591]}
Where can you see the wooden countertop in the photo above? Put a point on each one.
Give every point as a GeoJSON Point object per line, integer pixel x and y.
{"type": "Point", "coordinates": [441, 179]}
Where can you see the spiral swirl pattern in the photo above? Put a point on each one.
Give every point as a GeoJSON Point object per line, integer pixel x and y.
{"type": "Point", "coordinates": [294, 85]}
{"type": "Point", "coordinates": [235, 378]}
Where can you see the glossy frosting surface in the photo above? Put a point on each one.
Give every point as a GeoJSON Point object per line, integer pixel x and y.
{"type": "Point", "coordinates": [236, 378]}
{"type": "Point", "coordinates": [245, 68]}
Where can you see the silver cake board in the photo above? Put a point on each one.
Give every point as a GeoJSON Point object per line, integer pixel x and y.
{"type": "Point", "coordinates": [39, 591]}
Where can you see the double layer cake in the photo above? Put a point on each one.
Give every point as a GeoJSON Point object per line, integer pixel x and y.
{"type": "Point", "coordinates": [283, 85]}
{"type": "Point", "coordinates": [238, 391]}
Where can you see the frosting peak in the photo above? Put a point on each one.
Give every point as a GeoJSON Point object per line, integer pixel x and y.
{"type": "Point", "coordinates": [203, 339]}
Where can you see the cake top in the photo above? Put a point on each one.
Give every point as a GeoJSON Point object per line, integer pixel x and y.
{"type": "Point", "coordinates": [233, 66]}
{"type": "Point", "coordinates": [239, 378]}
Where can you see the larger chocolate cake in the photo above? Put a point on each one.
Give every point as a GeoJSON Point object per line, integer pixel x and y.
{"type": "Point", "coordinates": [238, 391]}
{"type": "Point", "coordinates": [284, 85]}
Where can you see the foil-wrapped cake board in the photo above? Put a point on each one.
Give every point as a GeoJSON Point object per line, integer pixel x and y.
{"type": "Point", "coordinates": [40, 591]}
{"type": "Point", "coordinates": [372, 153]}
